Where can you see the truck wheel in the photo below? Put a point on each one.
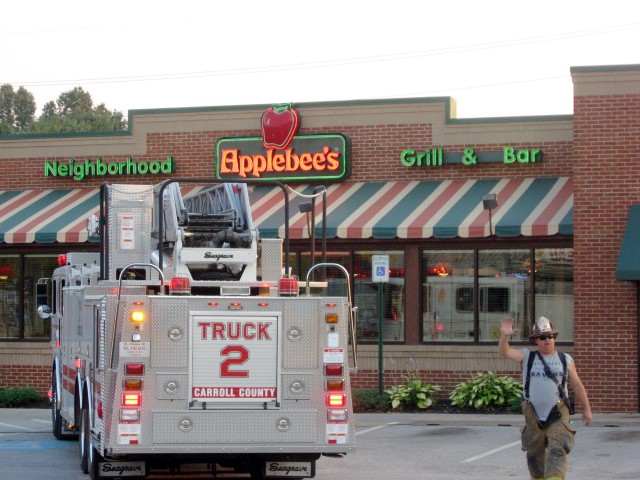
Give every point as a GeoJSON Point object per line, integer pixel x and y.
{"type": "Point", "coordinates": [56, 418]}
{"type": "Point", "coordinates": [85, 440]}
{"type": "Point", "coordinates": [256, 473]}
{"type": "Point", "coordinates": [94, 460]}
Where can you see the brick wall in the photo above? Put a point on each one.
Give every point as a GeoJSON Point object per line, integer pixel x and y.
{"type": "Point", "coordinates": [375, 155]}
{"type": "Point", "coordinates": [606, 182]}
{"type": "Point", "coordinates": [20, 376]}
{"type": "Point", "coordinates": [25, 364]}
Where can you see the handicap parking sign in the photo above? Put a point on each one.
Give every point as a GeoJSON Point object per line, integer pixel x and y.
{"type": "Point", "coordinates": [380, 268]}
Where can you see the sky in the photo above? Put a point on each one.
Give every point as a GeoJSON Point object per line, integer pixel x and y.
{"type": "Point", "coordinates": [495, 58]}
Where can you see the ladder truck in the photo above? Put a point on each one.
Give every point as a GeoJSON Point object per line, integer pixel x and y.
{"type": "Point", "coordinates": [184, 345]}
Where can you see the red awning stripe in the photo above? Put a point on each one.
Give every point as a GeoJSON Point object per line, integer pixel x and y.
{"type": "Point", "coordinates": [546, 218]}
{"type": "Point", "coordinates": [385, 210]}
{"type": "Point", "coordinates": [25, 232]}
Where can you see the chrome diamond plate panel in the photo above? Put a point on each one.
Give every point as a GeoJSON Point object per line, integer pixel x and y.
{"type": "Point", "coordinates": [169, 337]}
{"type": "Point", "coordinates": [129, 222]}
{"type": "Point", "coordinates": [296, 386]}
{"type": "Point", "coordinates": [301, 333]}
{"type": "Point", "coordinates": [271, 261]}
{"type": "Point", "coordinates": [172, 386]}
{"type": "Point", "coordinates": [235, 428]}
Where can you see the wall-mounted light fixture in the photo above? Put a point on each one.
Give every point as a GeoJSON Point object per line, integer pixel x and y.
{"type": "Point", "coordinates": [489, 202]}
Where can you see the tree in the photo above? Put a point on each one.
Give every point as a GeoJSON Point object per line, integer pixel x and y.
{"type": "Point", "coordinates": [16, 109]}
{"type": "Point", "coordinates": [73, 111]}
{"type": "Point", "coordinates": [24, 109]}
{"type": "Point", "coordinates": [6, 107]}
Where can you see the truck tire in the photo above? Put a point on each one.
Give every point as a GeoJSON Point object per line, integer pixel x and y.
{"type": "Point", "coordinates": [56, 418]}
{"type": "Point", "coordinates": [94, 460]}
{"type": "Point", "coordinates": [85, 440]}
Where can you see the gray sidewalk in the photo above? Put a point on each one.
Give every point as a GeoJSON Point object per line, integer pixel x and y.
{"type": "Point", "coordinates": [478, 419]}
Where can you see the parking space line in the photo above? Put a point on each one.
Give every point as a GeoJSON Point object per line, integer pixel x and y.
{"type": "Point", "coordinates": [490, 452]}
{"type": "Point", "coordinates": [14, 426]}
{"type": "Point", "coordinates": [377, 427]}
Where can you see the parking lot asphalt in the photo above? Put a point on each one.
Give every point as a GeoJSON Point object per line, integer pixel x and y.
{"type": "Point", "coordinates": [479, 419]}
{"type": "Point", "coordinates": [416, 419]}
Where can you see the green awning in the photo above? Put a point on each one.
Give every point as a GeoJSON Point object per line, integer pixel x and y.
{"type": "Point", "coordinates": [629, 259]}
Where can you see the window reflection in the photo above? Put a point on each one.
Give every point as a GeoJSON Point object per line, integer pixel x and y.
{"type": "Point", "coordinates": [366, 298]}
{"type": "Point", "coordinates": [464, 302]}
{"type": "Point", "coordinates": [447, 295]}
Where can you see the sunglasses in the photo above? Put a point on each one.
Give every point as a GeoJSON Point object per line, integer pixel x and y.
{"type": "Point", "coordinates": [544, 337]}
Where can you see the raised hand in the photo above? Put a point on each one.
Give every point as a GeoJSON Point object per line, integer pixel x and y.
{"type": "Point", "coordinates": [506, 327]}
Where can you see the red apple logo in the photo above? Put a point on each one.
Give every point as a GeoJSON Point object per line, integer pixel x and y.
{"type": "Point", "coordinates": [279, 125]}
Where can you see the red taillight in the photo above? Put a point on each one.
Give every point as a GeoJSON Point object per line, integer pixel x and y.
{"type": "Point", "coordinates": [62, 259]}
{"type": "Point", "coordinates": [333, 369]}
{"type": "Point", "coordinates": [50, 394]}
{"type": "Point", "coordinates": [134, 368]}
{"type": "Point", "coordinates": [131, 399]}
{"type": "Point", "coordinates": [180, 286]}
{"type": "Point", "coordinates": [336, 400]}
{"type": "Point", "coordinates": [100, 410]}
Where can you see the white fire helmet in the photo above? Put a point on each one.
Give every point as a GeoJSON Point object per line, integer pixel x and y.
{"type": "Point", "coordinates": [542, 327]}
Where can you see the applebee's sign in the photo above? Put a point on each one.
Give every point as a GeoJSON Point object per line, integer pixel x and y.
{"type": "Point", "coordinates": [280, 154]}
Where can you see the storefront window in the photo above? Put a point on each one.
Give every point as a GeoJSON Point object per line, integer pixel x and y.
{"type": "Point", "coordinates": [554, 289]}
{"type": "Point", "coordinates": [366, 298]}
{"type": "Point", "coordinates": [504, 285]}
{"type": "Point", "coordinates": [463, 301]}
{"type": "Point", "coordinates": [18, 295]}
{"type": "Point", "coordinates": [447, 295]}
{"type": "Point", "coordinates": [9, 296]}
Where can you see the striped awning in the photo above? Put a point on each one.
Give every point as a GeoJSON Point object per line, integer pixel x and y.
{"type": "Point", "coordinates": [427, 209]}
{"type": "Point", "coordinates": [383, 210]}
{"type": "Point", "coordinates": [47, 216]}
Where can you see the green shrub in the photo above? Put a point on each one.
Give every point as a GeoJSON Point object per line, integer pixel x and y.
{"type": "Point", "coordinates": [18, 397]}
{"type": "Point", "coordinates": [413, 394]}
{"type": "Point", "coordinates": [370, 400]}
{"type": "Point", "coordinates": [515, 404]}
{"type": "Point", "coordinates": [485, 391]}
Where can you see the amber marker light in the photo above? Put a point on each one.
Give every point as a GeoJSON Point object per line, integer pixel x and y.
{"type": "Point", "coordinates": [132, 383]}
{"type": "Point", "coordinates": [331, 318]}
{"type": "Point", "coordinates": [334, 385]}
{"type": "Point", "coordinates": [137, 316]}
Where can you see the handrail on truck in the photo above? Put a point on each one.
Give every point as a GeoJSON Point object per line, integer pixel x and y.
{"type": "Point", "coordinates": [352, 310]}
{"type": "Point", "coordinates": [115, 323]}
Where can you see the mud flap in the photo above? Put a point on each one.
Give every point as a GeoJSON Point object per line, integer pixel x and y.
{"type": "Point", "coordinates": [107, 469]}
{"type": "Point", "coordinates": [273, 468]}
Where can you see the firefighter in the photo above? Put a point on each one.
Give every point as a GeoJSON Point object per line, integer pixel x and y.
{"type": "Point", "coordinates": [547, 436]}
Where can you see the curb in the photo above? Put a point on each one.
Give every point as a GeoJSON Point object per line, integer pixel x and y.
{"type": "Point", "coordinates": [481, 420]}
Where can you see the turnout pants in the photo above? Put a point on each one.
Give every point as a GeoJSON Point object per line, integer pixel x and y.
{"type": "Point", "coordinates": [547, 447]}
